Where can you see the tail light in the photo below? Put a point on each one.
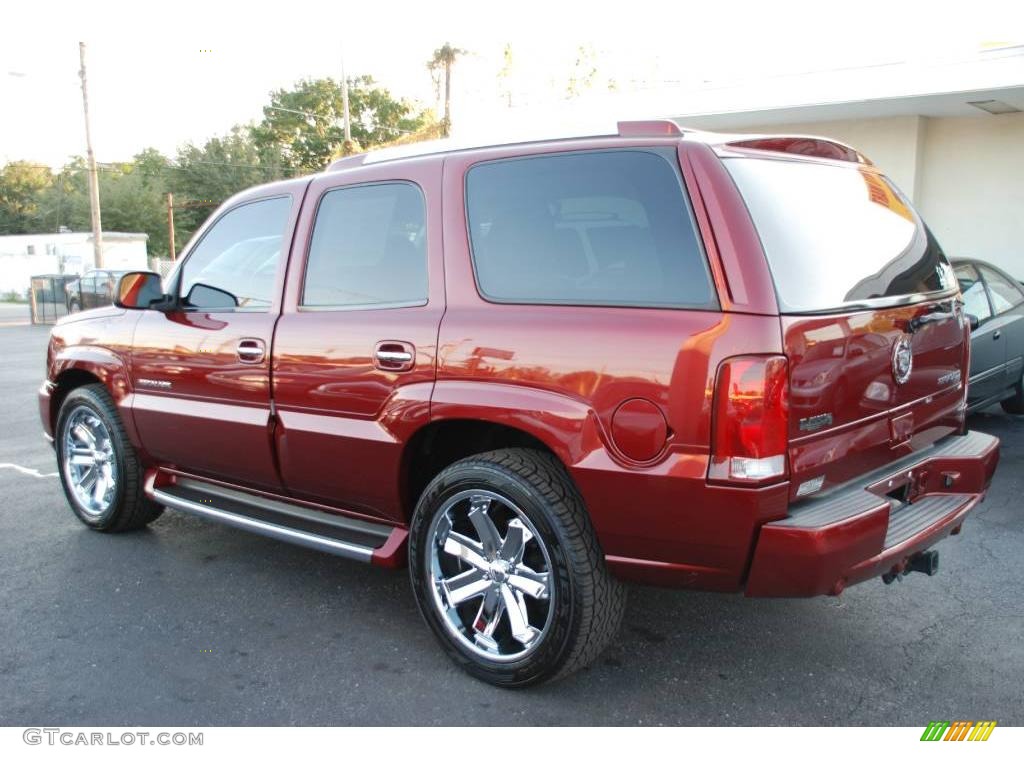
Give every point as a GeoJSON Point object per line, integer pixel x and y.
{"type": "Point", "coordinates": [750, 423]}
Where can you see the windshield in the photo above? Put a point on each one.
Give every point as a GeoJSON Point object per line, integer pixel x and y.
{"type": "Point", "coordinates": [838, 235]}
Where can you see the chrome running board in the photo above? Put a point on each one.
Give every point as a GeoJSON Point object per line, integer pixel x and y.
{"type": "Point", "coordinates": [336, 535]}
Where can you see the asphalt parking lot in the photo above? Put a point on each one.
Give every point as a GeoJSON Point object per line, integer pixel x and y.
{"type": "Point", "coordinates": [190, 623]}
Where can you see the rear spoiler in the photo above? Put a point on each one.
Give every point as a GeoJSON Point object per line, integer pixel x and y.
{"type": "Point", "coordinates": [810, 146]}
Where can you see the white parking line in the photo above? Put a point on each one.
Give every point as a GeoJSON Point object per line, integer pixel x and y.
{"type": "Point", "coordinates": [27, 471]}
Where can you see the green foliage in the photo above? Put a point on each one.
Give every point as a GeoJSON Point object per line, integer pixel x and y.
{"type": "Point", "coordinates": [306, 124]}
{"type": "Point", "coordinates": [131, 199]}
{"type": "Point", "coordinates": [21, 184]}
{"type": "Point", "coordinates": [207, 175]}
{"type": "Point", "coordinates": [202, 176]}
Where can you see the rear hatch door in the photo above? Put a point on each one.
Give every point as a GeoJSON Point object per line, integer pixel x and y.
{"type": "Point", "coordinates": [870, 315]}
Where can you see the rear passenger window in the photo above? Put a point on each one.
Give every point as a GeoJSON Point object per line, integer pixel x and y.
{"type": "Point", "coordinates": [1005, 295]}
{"type": "Point", "coordinates": [975, 300]}
{"type": "Point", "coordinates": [368, 248]}
{"type": "Point", "coordinates": [586, 228]}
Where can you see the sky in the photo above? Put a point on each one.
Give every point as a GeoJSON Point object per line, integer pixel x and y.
{"type": "Point", "coordinates": [164, 74]}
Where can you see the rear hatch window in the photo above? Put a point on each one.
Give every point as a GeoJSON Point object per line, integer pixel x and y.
{"type": "Point", "coordinates": [838, 235]}
{"type": "Point", "coordinates": [863, 289]}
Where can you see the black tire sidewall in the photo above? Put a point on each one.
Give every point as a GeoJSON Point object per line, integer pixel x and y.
{"type": "Point", "coordinates": [548, 657]}
{"type": "Point", "coordinates": [103, 410]}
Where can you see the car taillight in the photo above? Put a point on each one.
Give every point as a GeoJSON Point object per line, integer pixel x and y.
{"type": "Point", "coordinates": [750, 422]}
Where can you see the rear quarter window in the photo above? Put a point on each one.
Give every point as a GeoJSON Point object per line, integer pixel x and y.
{"type": "Point", "coordinates": [586, 228]}
{"type": "Point", "coordinates": [838, 235]}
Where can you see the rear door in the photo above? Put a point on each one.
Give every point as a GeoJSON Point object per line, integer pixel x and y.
{"type": "Point", "coordinates": [1008, 323]}
{"type": "Point", "coordinates": [871, 322]}
{"type": "Point", "coordinates": [988, 346]}
{"type": "Point", "coordinates": [355, 350]}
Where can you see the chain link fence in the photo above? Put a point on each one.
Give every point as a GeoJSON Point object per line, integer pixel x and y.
{"type": "Point", "coordinates": [162, 267]}
{"type": "Point", "coordinates": [48, 296]}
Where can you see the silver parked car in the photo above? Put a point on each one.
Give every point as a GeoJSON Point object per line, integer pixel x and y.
{"type": "Point", "coordinates": [996, 301]}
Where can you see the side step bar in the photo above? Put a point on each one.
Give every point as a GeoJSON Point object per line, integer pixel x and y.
{"type": "Point", "coordinates": [308, 527]}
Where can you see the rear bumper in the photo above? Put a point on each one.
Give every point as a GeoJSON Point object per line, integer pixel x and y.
{"type": "Point", "coordinates": [860, 531]}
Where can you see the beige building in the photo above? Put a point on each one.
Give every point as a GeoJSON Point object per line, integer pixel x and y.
{"type": "Point", "coordinates": [949, 133]}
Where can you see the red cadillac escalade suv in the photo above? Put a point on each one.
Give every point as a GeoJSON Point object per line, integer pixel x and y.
{"type": "Point", "coordinates": [535, 371]}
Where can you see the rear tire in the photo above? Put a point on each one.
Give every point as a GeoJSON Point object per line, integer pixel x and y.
{"type": "Point", "coordinates": [1015, 404]}
{"type": "Point", "coordinates": [98, 466]}
{"type": "Point", "coordinates": [515, 589]}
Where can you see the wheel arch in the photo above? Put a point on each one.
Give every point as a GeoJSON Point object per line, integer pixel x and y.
{"type": "Point", "coordinates": [470, 417]}
{"type": "Point", "coordinates": [76, 367]}
{"type": "Point", "coordinates": [443, 442]}
{"type": "Point", "coordinates": [68, 380]}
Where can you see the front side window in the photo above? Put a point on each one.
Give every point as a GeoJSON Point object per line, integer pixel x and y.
{"type": "Point", "coordinates": [369, 248]}
{"type": "Point", "coordinates": [234, 266]}
{"type": "Point", "coordinates": [838, 236]}
{"type": "Point", "coordinates": [975, 300]}
{"type": "Point", "coordinates": [586, 228]}
{"type": "Point", "coordinates": [1005, 295]}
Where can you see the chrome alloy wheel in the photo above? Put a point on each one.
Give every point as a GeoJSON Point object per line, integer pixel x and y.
{"type": "Point", "coordinates": [89, 465]}
{"type": "Point", "coordinates": [493, 591]}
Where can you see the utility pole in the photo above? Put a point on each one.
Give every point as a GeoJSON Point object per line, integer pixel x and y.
{"type": "Point", "coordinates": [449, 60]}
{"type": "Point", "coordinates": [94, 182]}
{"type": "Point", "coordinates": [170, 224]}
{"type": "Point", "coordinates": [344, 103]}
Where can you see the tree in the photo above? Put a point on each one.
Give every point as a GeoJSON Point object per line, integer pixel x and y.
{"type": "Point", "coordinates": [205, 176]}
{"type": "Point", "coordinates": [21, 185]}
{"type": "Point", "coordinates": [505, 75]}
{"type": "Point", "coordinates": [305, 124]}
{"type": "Point", "coordinates": [132, 195]}
{"type": "Point", "coordinates": [583, 72]}
{"type": "Point", "coordinates": [443, 60]}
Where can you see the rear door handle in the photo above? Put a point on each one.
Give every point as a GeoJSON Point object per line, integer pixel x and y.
{"type": "Point", "coordinates": [251, 351]}
{"type": "Point", "coordinates": [997, 334]}
{"type": "Point", "coordinates": [394, 356]}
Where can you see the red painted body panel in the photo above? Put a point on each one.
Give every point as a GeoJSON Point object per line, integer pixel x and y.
{"type": "Point", "coordinates": [342, 422]}
{"type": "Point", "coordinates": [622, 396]}
{"type": "Point", "coordinates": [842, 365]}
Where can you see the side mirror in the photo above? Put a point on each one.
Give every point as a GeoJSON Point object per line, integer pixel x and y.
{"type": "Point", "coordinates": [202, 296]}
{"type": "Point", "coordinates": [973, 321]}
{"type": "Point", "coordinates": [138, 290]}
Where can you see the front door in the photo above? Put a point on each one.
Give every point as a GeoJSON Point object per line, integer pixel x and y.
{"type": "Point", "coordinates": [355, 348]}
{"type": "Point", "coordinates": [201, 373]}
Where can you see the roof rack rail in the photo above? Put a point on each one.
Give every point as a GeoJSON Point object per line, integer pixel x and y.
{"type": "Point", "coordinates": [349, 161]}
{"type": "Point", "coordinates": [625, 128]}
{"type": "Point", "coordinates": [649, 128]}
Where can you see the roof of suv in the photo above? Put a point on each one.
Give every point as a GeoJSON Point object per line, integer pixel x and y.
{"type": "Point", "coordinates": [808, 146]}
{"type": "Point", "coordinates": [628, 132]}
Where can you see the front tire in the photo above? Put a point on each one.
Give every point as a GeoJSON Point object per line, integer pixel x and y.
{"type": "Point", "coordinates": [507, 571]}
{"type": "Point", "coordinates": [98, 466]}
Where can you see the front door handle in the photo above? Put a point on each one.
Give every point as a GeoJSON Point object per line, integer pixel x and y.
{"type": "Point", "coordinates": [251, 351]}
{"type": "Point", "coordinates": [997, 335]}
{"type": "Point", "coordinates": [394, 356]}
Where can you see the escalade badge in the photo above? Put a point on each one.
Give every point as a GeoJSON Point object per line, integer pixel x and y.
{"type": "Point", "coordinates": [902, 359]}
{"type": "Point", "coordinates": [811, 423]}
